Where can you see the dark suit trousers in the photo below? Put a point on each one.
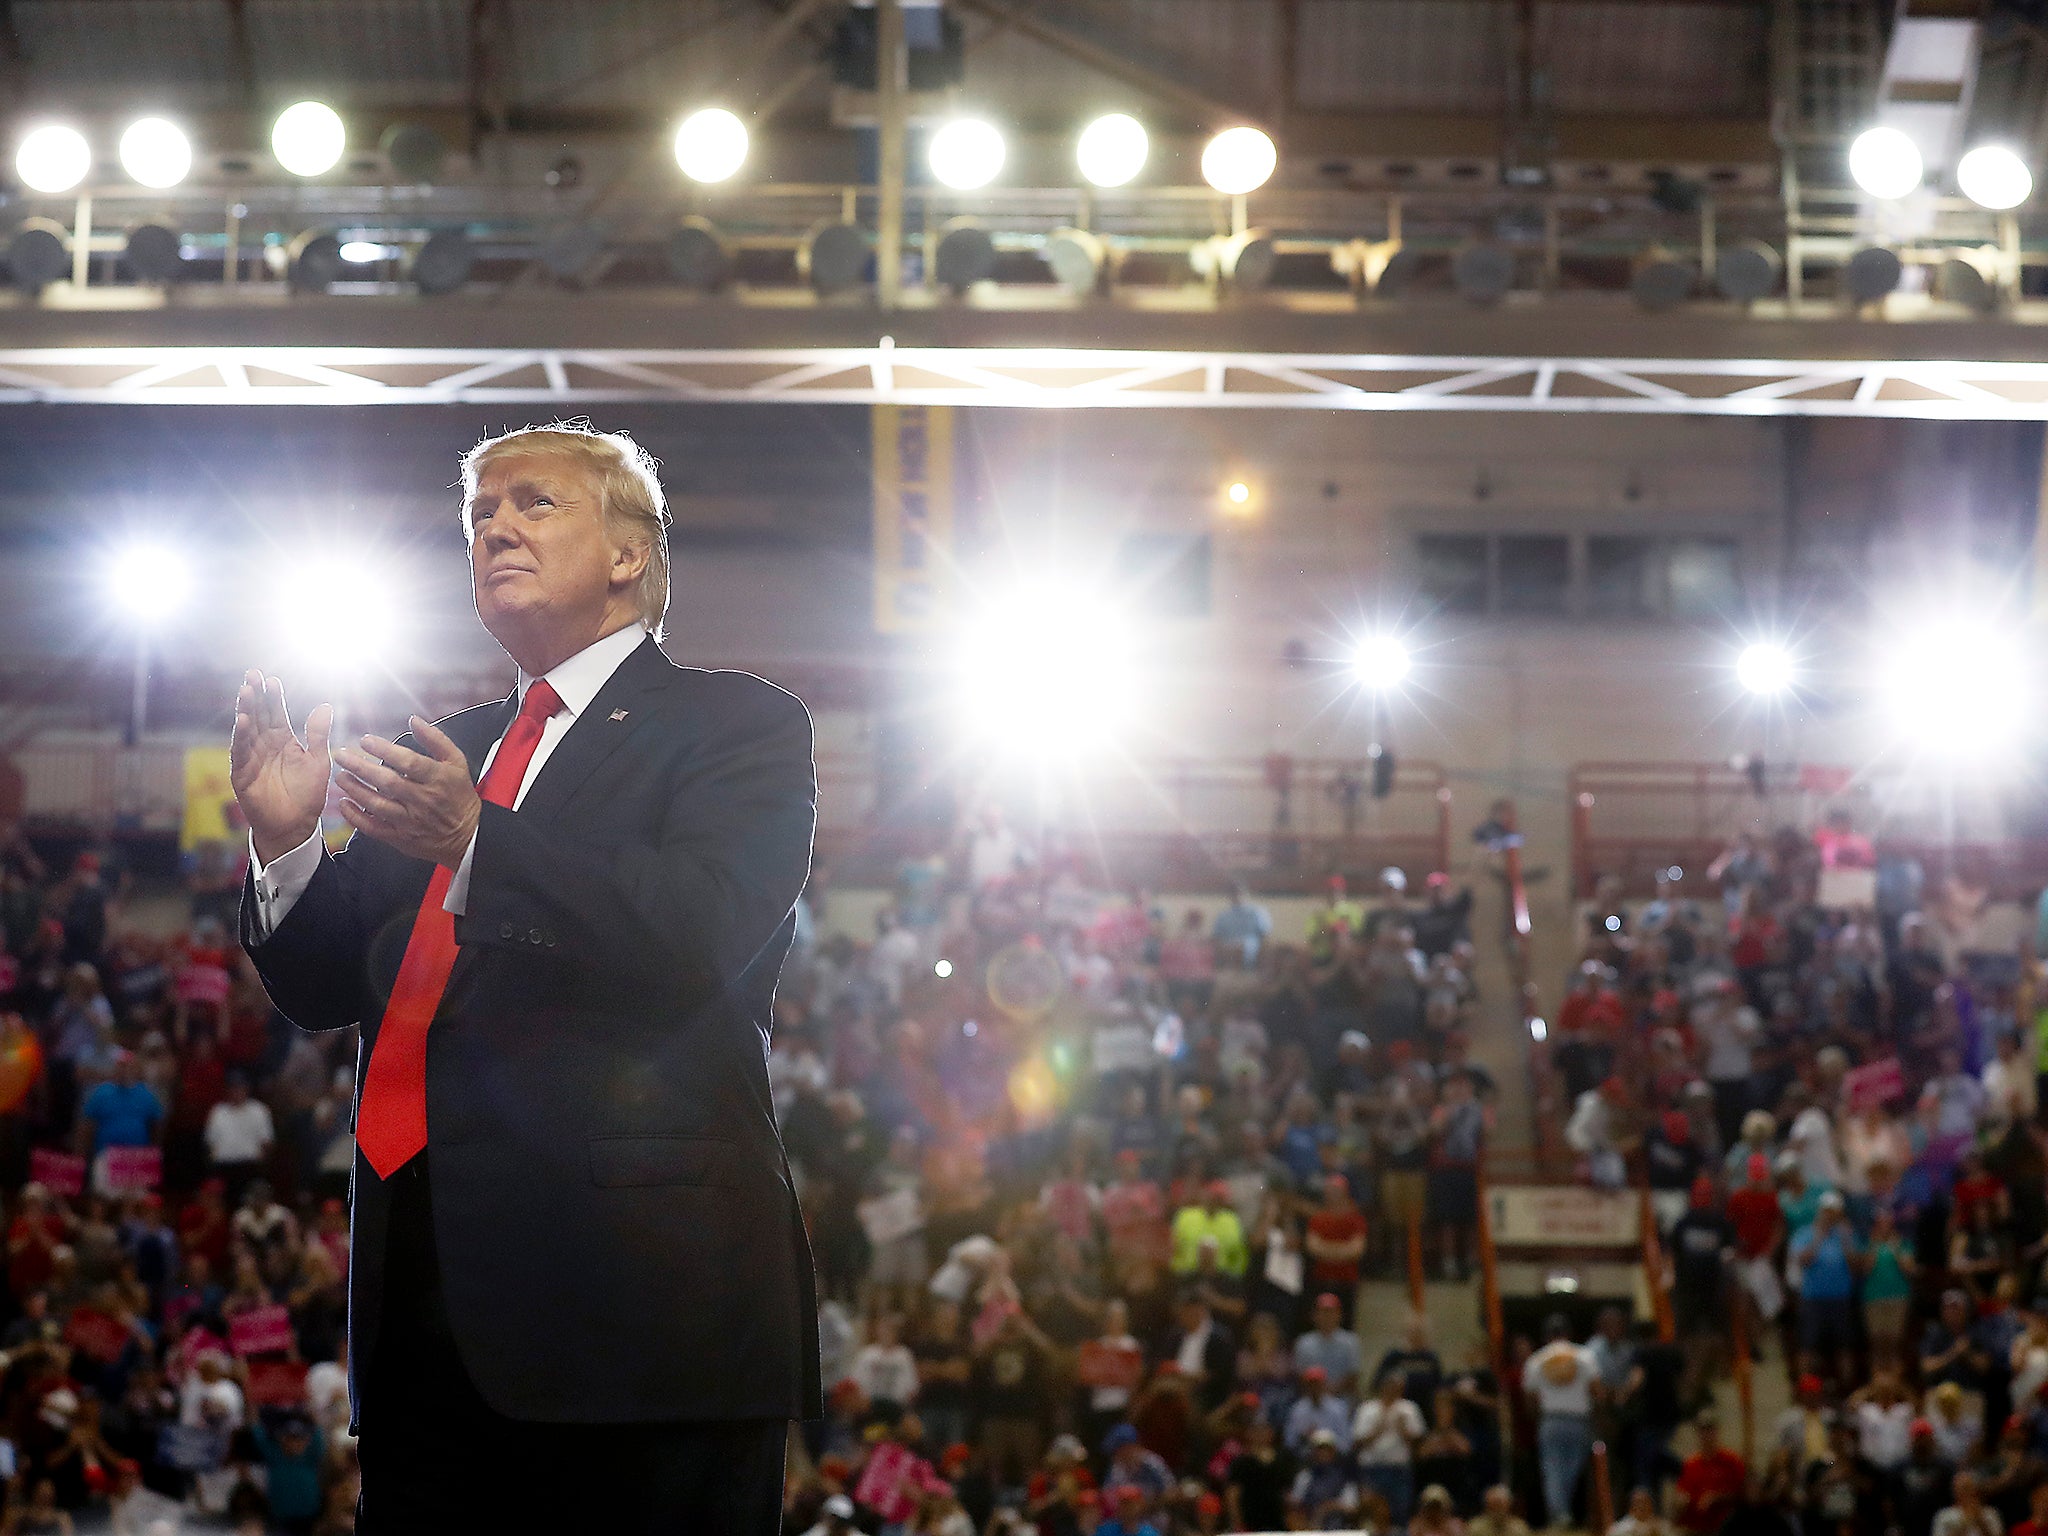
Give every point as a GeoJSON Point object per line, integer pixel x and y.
{"type": "Point", "coordinates": [438, 1460]}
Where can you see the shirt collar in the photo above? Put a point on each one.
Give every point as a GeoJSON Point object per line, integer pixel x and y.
{"type": "Point", "coordinates": [577, 680]}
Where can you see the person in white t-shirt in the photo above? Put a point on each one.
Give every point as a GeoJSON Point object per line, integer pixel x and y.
{"type": "Point", "coordinates": [239, 1134]}
{"type": "Point", "coordinates": [1559, 1377]}
{"type": "Point", "coordinates": [1383, 1436]}
{"type": "Point", "coordinates": [884, 1366]}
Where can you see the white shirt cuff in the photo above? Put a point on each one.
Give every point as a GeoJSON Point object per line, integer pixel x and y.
{"type": "Point", "coordinates": [457, 899]}
{"type": "Point", "coordinates": [280, 883]}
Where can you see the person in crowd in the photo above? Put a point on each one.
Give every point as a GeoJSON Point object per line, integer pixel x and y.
{"type": "Point", "coordinates": [1384, 1434]}
{"type": "Point", "coordinates": [1559, 1379]}
{"type": "Point", "coordinates": [1712, 1480]}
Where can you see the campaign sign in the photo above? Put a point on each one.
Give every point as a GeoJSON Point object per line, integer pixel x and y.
{"type": "Point", "coordinates": [277, 1383]}
{"type": "Point", "coordinates": [96, 1333]}
{"type": "Point", "coordinates": [133, 1170]}
{"type": "Point", "coordinates": [1875, 1084]}
{"type": "Point", "coordinates": [62, 1173]}
{"type": "Point", "coordinates": [1103, 1364]}
{"type": "Point", "coordinates": [260, 1331]}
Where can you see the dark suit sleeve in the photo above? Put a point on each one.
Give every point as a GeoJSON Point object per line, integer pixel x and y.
{"type": "Point", "coordinates": [312, 963]}
{"type": "Point", "coordinates": [691, 910]}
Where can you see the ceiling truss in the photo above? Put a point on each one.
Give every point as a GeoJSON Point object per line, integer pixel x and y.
{"type": "Point", "coordinates": [1023, 377]}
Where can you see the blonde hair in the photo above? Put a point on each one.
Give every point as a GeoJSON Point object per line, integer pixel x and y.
{"type": "Point", "coordinates": [629, 492]}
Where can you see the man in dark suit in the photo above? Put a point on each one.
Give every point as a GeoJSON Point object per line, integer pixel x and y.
{"type": "Point", "coordinates": [581, 1295]}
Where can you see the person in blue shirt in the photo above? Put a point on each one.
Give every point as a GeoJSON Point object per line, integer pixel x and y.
{"type": "Point", "coordinates": [125, 1111]}
{"type": "Point", "coordinates": [1827, 1258]}
{"type": "Point", "coordinates": [1241, 929]}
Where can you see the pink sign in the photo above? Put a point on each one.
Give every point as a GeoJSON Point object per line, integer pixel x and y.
{"type": "Point", "coordinates": [202, 984]}
{"type": "Point", "coordinates": [133, 1170]}
{"type": "Point", "coordinates": [260, 1331]}
{"type": "Point", "coordinates": [62, 1173]}
{"type": "Point", "coordinates": [1878, 1083]}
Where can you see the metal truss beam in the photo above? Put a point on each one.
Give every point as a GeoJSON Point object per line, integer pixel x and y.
{"type": "Point", "coordinates": [1056, 377]}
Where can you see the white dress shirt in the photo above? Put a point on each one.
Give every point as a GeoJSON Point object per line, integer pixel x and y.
{"type": "Point", "coordinates": [280, 883]}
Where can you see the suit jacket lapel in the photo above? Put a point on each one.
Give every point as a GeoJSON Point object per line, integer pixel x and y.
{"type": "Point", "coordinates": [596, 734]}
{"type": "Point", "coordinates": [484, 726]}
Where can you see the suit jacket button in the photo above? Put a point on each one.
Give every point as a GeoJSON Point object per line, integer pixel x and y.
{"type": "Point", "coordinates": [533, 937]}
{"type": "Point", "coordinates": [504, 930]}
{"type": "Point", "coordinates": [550, 941]}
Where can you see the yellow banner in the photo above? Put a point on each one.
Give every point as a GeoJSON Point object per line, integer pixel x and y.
{"type": "Point", "coordinates": [207, 798]}
{"type": "Point", "coordinates": [913, 515]}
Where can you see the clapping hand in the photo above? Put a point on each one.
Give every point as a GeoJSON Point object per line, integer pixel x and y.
{"type": "Point", "coordinates": [279, 781]}
{"type": "Point", "coordinates": [420, 802]}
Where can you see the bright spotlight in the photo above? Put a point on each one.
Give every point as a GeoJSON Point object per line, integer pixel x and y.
{"type": "Point", "coordinates": [1239, 160]}
{"type": "Point", "coordinates": [308, 138]}
{"type": "Point", "coordinates": [1992, 176]}
{"type": "Point", "coordinates": [155, 152]}
{"type": "Point", "coordinates": [365, 251]}
{"type": "Point", "coordinates": [1048, 671]}
{"type": "Point", "coordinates": [966, 153]}
{"type": "Point", "coordinates": [1380, 663]}
{"type": "Point", "coordinates": [149, 583]}
{"type": "Point", "coordinates": [337, 612]}
{"type": "Point", "coordinates": [711, 145]}
{"type": "Point", "coordinates": [1764, 668]}
{"type": "Point", "coordinates": [1957, 687]}
{"type": "Point", "coordinates": [1885, 163]}
{"type": "Point", "coordinates": [942, 969]}
{"type": "Point", "coordinates": [1238, 493]}
{"type": "Point", "coordinates": [53, 159]}
{"type": "Point", "coordinates": [1112, 150]}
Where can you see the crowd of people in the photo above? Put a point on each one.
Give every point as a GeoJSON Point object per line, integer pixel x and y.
{"type": "Point", "coordinates": [174, 1159]}
{"type": "Point", "coordinates": [1095, 1189]}
{"type": "Point", "coordinates": [1094, 1186]}
{"type": "Point", "coordinates": [1831, 1087]}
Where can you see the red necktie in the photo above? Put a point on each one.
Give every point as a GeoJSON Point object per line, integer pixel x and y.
{"type": "Point", "coordinates": [391, 1122]}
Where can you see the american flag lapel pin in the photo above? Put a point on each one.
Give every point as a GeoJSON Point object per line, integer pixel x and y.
{"type": "Point", "coordinates": [618, 714]}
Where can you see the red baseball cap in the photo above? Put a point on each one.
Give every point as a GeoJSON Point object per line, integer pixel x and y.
{"type": "Point", "coordinates": [1315, 1373]}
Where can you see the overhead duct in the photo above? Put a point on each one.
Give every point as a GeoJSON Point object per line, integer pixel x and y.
{"type": "Point", "coordinates": [315, 260]}
{"type": "Point", "coordinates": [1871, 273]}
{"type": "Point", "coordinates": [1077, 259]}
{"type": "Point", "coordinates": [1747, 271]}
{"type": "Point", "coordinates": [1662, 281]}
{"type": "Point", "coordinates": [153, 253]}
{"type": "Point", "coordinates": [833, 258]}
{"type": "Point", "coordinates": [1483, 273]}
{"type": "Point", "coordinates": [966, 255]}
{"type": "Point", "coordinates": [444, 263]}
{"type": "Point", "coordinates": [697, 256]}
{"type": "Point", "coordinates": [37, 255]}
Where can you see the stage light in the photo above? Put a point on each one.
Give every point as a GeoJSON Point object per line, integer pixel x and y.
{"type": "Point", "coordinates": [1381, 663]}
{"type": "Point", "coordinates": [1239, 160]}
{"type": "Point", "coordinates": [711, 145]}
{"type": "Point", "coordinates": [1885, 163]}
{"type": "Point", "coordinates": [1538, 1031]}
{"type": "Point", "coordinates": [148, 583]}
{"type": "Point", "coordinates": [53, 159]}
{"type": "Point", "coordinates": [308, 138]}
{"type": "Point", "coordinates": [1992, 176]}
{"type": "Point", "coordinates": [1871, 273]}
{"type": "Point", "coordinates": [1047, 672]}
{"type": "Point", "coordinates": [1112, 150]}
{"type": "Point", "coordinates": [966, 153]}
{"type": "Point", "coordinates": [336, 610]}
{"type": "Point", "coordinates": [156, 152]}
{"type": "Point", "coordinates": [942, 969]}
{"type": "Point", "coordinates": [360, 251]}
{"type": "Point", "coordinates": [966, 255]}
{"type": "Point", "coordinates": [1237, 493]}
{"type": "Point", "coordinates": [1957, 687]}
{"type": "Point", "coordinates": [1764, 668]}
